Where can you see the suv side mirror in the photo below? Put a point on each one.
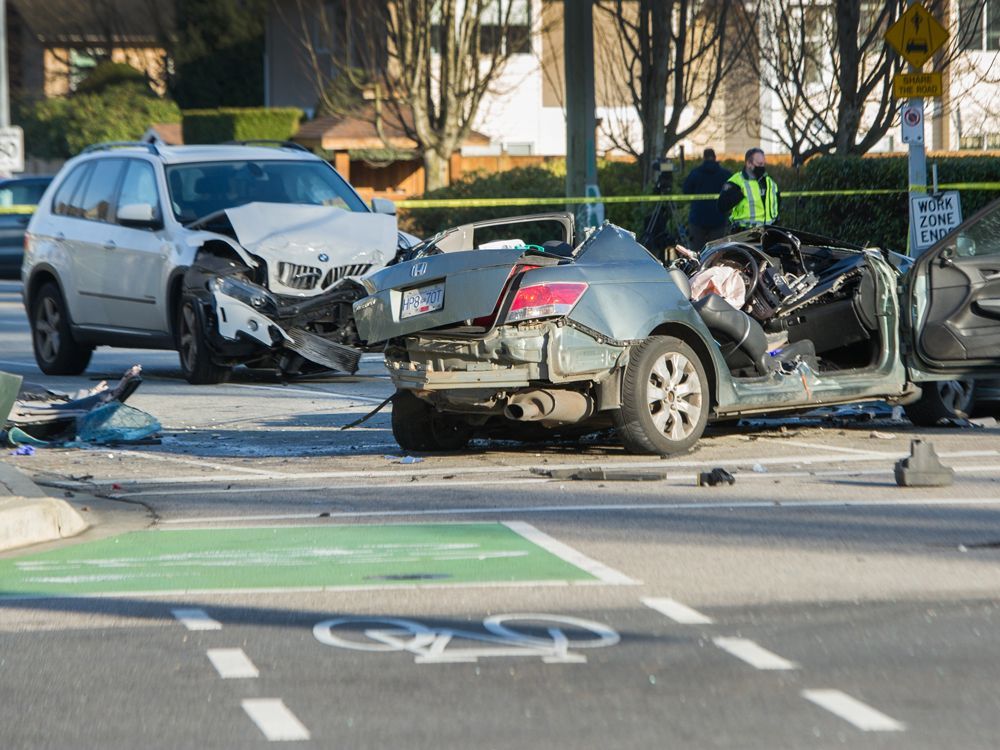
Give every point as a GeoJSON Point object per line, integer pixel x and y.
{"type": "Point", "coordinates": [383, 206]}
{"type": "Point", "coordinates": [139, 216]}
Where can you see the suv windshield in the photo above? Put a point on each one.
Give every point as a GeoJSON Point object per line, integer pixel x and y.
{"type": "Point", "coordinates": [197, 190]}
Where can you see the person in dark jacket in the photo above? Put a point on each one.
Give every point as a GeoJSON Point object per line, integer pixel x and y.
{"type": "Point", "coordinates": [705, 221]}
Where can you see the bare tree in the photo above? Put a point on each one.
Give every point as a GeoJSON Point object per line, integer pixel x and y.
{"type": "Point", "coordinates": [830, 71]}
{"type": "Point", "coordinates": [424, 65]}
{"type": "Point", "coordinates": [676, 55]}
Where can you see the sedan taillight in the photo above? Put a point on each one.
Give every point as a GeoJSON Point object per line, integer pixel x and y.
{"type": "Point", "coordinates": [546, 300]}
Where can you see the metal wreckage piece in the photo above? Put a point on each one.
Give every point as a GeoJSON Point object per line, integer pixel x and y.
{"type": "Point", "coordinates": [38, 416]}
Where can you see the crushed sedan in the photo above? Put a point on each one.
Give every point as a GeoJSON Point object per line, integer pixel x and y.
{"type": "Point", "coordinates": [517, 339]}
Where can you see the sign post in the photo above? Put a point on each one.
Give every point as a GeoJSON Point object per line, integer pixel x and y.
{"type": "Point", "coordinates": [932, 217]}
{"type": "Point", "coordinates": [916, 36]}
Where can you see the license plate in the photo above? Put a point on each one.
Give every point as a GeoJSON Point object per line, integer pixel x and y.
{"type": "Point", "coordinates": [426, 299]}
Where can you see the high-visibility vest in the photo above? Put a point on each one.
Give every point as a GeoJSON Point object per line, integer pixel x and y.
{"type": "Point", "coordinates": [752, 209]}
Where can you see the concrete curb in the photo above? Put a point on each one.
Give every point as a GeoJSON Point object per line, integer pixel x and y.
{"type": "Point", "coordinates": [29, 516]}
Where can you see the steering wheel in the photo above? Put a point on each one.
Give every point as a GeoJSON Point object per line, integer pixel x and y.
{"type": "Point", "coordinates": [739, 258]}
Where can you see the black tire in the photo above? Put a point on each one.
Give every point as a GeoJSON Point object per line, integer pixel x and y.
{"type": "Point", "coordinates": [649, 422]}
{"type": "Point", "coordinates": [943, 399]}
{"type": "Point", "coordinates": [192, 349]}
{"type": "Point", "coordinates": [418, 426]}
{"type": "Point", "coordinates": [56, 351]}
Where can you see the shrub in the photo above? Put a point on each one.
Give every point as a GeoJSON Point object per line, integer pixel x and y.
{"type": "Point", "coordinates": [61, 127]}
{"type": "Point", "coordinates": [240, 124]}
{"type": "Point", "coordinates": [879, 220]}
{"type": "Point", "coordinates": [107, 74]}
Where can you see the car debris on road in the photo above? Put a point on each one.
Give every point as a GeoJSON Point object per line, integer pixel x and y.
{"type": "Point", "coordinates": [41, 417]}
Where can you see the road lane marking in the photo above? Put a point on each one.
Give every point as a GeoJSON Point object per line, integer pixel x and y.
{"type": "Point", "coordinates": [486, 470]}
{"type": "Point", "coordinates": [861, 715]}
{"type": "Point", "coordinates": [680, 613]}
{"type": "Point", "coordinates": [753, 654]}
{"type": "Point", "coordinates": [840, 449]}
{"type": "Point", "coordinates": [232, 663]}
{"type": "Point", "coordinates": [599, 507]}
{"type": "Point", "coordinates": [574, 557]}
{"type": "Point", "coordinates": [274, 720]}
{"type": "Point", "coordinates": [196, 619]}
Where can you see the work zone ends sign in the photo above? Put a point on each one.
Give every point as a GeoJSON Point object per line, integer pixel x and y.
{"type": "Point", "coordinates": [932, 217]}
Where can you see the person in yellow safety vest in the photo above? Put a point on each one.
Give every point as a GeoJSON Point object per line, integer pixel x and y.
{"type": "Point", "coordinates": [750, 197]}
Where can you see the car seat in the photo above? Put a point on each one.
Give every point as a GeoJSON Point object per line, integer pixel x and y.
{"type": "Point", "coordinates": [741, 338]}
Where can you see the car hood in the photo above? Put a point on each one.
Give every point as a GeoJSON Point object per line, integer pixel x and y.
{"type": "Point", "coordinates": [279, 231]}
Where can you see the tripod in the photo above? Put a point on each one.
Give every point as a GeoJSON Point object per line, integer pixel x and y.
{"type": "Point", "coordinates": [656, 236]}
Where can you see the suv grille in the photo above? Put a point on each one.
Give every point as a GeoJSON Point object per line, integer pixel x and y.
{"type": "Point", "coordinates": [298, 277]}
{"type": "Point", "coordinates": [336, 274]}
{"type": "Point", "coordinates": [308, 277]}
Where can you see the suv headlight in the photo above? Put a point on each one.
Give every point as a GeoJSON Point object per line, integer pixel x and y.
{"type": "Point", "coordinates": [248, 293]}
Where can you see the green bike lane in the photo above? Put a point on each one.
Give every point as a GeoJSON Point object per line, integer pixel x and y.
{"type": "Point", "coordinates": [302, 558]}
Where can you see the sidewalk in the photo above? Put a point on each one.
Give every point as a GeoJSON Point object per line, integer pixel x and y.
{"type": "Point", "coordinates": [29, 516]}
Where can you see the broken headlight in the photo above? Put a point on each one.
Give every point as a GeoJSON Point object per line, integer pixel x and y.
{"type": "Point", "coordinates": [249, 294]}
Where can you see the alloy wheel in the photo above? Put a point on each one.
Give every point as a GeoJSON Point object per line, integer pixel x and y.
{"type": "Point", "coordinates": [675, 396]}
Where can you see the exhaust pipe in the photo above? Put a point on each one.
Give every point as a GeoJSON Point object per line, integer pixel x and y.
{"type": "Point", "coordinates": [549, 406]}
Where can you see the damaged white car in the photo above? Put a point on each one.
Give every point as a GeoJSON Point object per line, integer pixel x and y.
{"type": "Point", "coordinates": [245, 253]}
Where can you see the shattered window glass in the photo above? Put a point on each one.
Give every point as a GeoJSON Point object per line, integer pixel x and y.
{"type": "Point", "coordinates": [983, 237]}
{"type": "Point", "coordinates": [200, 189]}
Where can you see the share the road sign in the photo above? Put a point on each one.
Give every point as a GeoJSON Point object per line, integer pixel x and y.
{"type": "Point", "coordinates": [917, 85]}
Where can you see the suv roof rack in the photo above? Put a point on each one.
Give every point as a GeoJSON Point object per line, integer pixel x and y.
{"type": "Point", "coordinates": [268, 142]}
{"type": "Point", "coordinates": [108, 145]}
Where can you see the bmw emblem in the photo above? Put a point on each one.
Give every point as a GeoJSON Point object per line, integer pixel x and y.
{"type": "Point", "coordinates": [323, 257]}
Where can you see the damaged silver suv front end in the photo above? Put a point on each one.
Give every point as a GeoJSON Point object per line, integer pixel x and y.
{"type": "Point", "coordinates": [272, 286]}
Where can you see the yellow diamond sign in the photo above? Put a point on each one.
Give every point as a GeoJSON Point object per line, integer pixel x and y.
{"type": "Point", "coordinates": [917, 35]}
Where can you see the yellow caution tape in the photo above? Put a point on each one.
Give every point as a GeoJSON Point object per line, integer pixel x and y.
{"type": "Point", "coordinates": [418, 203]}
{"type": "Point", "coordinates": [17, 209]}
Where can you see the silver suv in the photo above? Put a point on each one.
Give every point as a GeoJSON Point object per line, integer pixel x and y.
{"type": "Point", "coordinates": [238, 253]}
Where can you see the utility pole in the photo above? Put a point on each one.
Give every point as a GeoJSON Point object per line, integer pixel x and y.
{"type": "Point", "coordinates": [578, 62]}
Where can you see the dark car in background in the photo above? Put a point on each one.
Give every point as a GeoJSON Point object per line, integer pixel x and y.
{"type": "Point", "coordinates": [18, 198]}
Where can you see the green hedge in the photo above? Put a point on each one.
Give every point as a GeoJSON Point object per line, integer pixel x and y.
{"type": "Point", "coordinates": [58, 128]}
{"type": "Point", "coordinates": [878, 220]}
{"type": "Point", "coordinates": [240, 124]}
{"type": "Point", "coordinates": [614, 178]}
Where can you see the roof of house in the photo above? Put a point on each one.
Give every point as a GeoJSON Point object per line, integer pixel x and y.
{"type": "Point", "coordinates": [357, 131]}
{"type": "Point", "coordinates": [75, 22]}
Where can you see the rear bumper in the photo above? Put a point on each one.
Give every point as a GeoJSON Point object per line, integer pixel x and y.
{"type": "Point", "coordinates": [506, 358]}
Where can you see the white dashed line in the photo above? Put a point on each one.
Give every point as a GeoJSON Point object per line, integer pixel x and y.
{"type": "Point", "coordinates": [196, 619]}
{"type": "Point", "coordinates": [752, 654]}
{"type": "Point", "coordinates": [273, 718]}
{"type": "Point", "coordinates": [232, 663]}
{"type": "Point", "coordinates": [861, 715]}
{"type": "Point", "coordinates": [563, 551]}
{"type": "Point", "coordinates": [677, 612]}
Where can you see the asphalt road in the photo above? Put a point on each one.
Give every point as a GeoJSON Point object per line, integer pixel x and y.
{"type": "Point", "coordinates": [341, 598]}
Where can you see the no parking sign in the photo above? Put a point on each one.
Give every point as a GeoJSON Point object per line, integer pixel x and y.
{"type": "Point", "coordinates": [912, 116]}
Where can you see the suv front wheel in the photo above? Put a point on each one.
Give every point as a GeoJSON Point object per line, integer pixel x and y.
{"type": "Point", "coordinates": [196, 359]}
{"type": "Point", "coordinates": [56, 351]}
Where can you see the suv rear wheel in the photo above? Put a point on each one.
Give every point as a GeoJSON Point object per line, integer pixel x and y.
{"type": "Point", "coordinates": [665, 398]}
{"type": "Point", "coordinates": [195, 356]}
{"type": "Point", "coordinates": [56, 351]}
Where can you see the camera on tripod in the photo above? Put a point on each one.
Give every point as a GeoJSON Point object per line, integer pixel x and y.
{"type": "Point", "coordinates": [664, 170]}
